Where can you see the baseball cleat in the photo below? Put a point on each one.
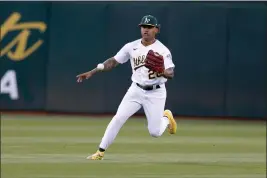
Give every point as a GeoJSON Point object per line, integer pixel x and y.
{"type": "Point", "coordinates": [97, 156]}
{"type": "Point", "coordinates": [172, 127]}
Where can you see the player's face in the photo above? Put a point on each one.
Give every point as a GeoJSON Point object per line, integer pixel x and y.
{"type": "Point", "coordinates": [148, 32]}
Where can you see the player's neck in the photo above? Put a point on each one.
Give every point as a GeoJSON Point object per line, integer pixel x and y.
{"type": "Point", "coordinates": [147, 43]}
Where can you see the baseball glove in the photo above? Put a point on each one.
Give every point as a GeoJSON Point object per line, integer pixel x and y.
{"type": "Point", "coordinates": [154, 61]}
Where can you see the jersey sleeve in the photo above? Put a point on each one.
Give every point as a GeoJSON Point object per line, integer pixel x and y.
{"type": "Point", "coordinates": [123, 55]}
{"type": "Point", "coordinates": [168, 63]}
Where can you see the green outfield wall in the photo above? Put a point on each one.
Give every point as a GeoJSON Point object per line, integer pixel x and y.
{"type": "Point", "coordinates": [219, 49]}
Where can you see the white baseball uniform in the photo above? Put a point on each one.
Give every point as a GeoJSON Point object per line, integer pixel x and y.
{"type": "Point", "coordinates": [152, 101]}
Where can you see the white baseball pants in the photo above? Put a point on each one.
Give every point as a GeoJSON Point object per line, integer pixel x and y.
{"type": "Point", "coordinates": [153, 103]}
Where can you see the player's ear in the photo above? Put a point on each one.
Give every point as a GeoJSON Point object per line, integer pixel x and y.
{"type": "Point", "coordinates": [157, 30]}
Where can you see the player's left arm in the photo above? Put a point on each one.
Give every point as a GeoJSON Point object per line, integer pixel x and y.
{"type": "Point", "coordinates": [169, 73]}
{"type": "Point", "coordinates": [169, 66]}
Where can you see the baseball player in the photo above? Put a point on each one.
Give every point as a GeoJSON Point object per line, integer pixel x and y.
{"type": "Point", "coordinates": [152, 66]}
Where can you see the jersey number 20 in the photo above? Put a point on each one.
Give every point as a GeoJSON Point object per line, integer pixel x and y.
{"type": "Point", "coordinates": [152, 74]}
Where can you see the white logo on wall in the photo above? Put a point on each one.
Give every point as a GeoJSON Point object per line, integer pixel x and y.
{"type": "Point", "coordinates": [9, 85]}
{"type": "Point", "coordinates": [147, 20]}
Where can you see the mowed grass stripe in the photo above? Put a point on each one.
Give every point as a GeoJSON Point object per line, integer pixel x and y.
{"type": "Point", "coordinates": [133, 133]}
{"type": "Point", "coordinates": [74, 148]}
{"type": "Point", "coordinates": [134, 139]}
{"type": "Point", "coordinates": [72, 122]}
{"type": "Point", "coordinates": [140, 127]}
{"type": "Point", "coordinates": [134, 127]}
{"type": "Point", "coordinates": [137, 158]}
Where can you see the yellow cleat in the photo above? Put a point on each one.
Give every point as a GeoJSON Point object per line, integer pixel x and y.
{"type": "Point", "coordinates": [172, 127]}
{"type": "Point", "coordinates": [97, 156]}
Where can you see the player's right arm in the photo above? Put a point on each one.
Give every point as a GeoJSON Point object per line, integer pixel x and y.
{"type": "Point", "coordinates": [121, 57]}
{"type": "Point", "coordinates": [108, 65]}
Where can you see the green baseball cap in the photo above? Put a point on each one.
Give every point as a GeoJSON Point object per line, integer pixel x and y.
{"type": "Point", "coordinates": [150, 21]}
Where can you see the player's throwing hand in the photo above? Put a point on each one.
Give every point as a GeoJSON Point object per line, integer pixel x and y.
{"type": "Point", "coordinates": [107, 65]}
{"type": "Point", "coordinates": [84, 76]}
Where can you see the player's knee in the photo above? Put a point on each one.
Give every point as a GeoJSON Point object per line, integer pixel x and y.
{"type": "Point", "coordinates": [154, 132]}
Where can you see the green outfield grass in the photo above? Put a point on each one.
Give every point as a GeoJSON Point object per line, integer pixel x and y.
{"type": "Point", "coordinates": [56, 147]}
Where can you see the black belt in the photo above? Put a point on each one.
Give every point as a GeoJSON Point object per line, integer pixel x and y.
{"type": "Point", "coordinates": [148, 87]}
